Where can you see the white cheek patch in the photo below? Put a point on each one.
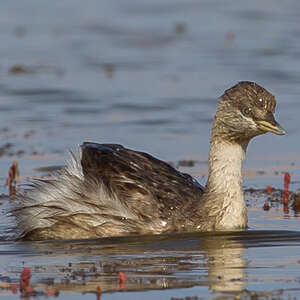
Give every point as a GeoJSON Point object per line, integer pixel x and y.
{"type": "Point", "coordinates": [251, 124]}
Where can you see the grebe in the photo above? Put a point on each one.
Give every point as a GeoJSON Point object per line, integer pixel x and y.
{"type": "Point", "coordinates": [115, 191]}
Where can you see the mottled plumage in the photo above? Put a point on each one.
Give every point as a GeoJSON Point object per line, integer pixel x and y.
{"type": "Point", "coordinates": [111, 190]}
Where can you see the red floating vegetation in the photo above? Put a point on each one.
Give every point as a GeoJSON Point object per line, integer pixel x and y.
{"type": "Point", "coordinates": [51, 291]}
{"type": "Point", "coordinates": [269, 189]}
{"type": "Point", "coordinates": [13, 177]}
{"type": "Point", "coordinates": [98, 292]}
{"type": "Point", "coordinates": [25, 281]}
{"type": "Point", "coordinates": [285, 193]}
{"type": "Point", "coordinates": [287, 181]}
{"type": "Point", "coordinates": [266, 206]}
{"type": "Point", "coordinates": [122, 278]}
{"type": "Point", "coordinates": [14, 288]}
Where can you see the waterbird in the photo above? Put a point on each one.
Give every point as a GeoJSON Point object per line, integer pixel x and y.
{"type": "Point", "coordinates": [109, 190]}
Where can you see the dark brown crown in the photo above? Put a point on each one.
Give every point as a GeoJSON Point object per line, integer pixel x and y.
{"type": "Point", "coordinates": [246, 92]}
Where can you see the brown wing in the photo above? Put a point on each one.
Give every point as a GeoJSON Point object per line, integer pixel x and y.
{"type": "Point", "coordinates": [144, 183]}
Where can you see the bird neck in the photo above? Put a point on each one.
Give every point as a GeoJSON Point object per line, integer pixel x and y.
{"type": "Point", "coordinates": [223, 191]}
{"type": "Point", "coordinates": [225, 166]}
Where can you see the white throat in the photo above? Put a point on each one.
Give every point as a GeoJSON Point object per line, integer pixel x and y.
{"type": "Point", "coordinates": [225, 166]}
{"type": "Point", "coordinates": [224, 184]}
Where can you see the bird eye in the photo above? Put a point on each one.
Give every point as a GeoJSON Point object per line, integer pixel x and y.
{"type": "Point", "coordinates": [247, 111]}
{"type": "Point", "coordinates": [261, 102]}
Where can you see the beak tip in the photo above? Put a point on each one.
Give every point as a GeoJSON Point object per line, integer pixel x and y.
{"type": "Point", "coordinates": [280, 131]}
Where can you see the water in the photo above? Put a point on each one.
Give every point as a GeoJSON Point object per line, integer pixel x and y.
{"type": "Point", "coordinates": [147, 75]}
{"type": "Point", "coordinates": [178, 266]}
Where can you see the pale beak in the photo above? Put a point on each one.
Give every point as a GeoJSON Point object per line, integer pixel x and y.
{"type": "Point", "coordinates": [272, 126]}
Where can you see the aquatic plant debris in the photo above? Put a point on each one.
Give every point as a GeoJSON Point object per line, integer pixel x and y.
{"type": "Point", "coordinates": [287, 180]}
{"type": "Point", "coordinates": [122, 280]}
{"type": "Point", "coordinates": [13, 174]}
{"type": "Point", "coordinates": [285, 194]}
{"type": "Point", "coordinates": [13, 177]}
{"type": "Point", "coordinates": [25, 281]}
{"type": "Point", "coordinates": [269, 189]}
{"type": "Point", "coordinates": [98, 292]}
{"type": "Point", "coordinates": [274, 197]}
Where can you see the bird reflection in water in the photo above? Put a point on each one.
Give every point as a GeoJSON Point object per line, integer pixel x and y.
{"type": "Point", "coordinates": [142, 263]}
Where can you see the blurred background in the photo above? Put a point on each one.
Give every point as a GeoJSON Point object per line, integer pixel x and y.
{"type": "Point", "coordinates": [146, 74]}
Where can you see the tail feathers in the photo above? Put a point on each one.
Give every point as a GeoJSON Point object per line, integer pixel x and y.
{"type": "Point", "coordinates": [70, 200]}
